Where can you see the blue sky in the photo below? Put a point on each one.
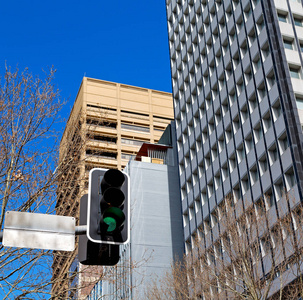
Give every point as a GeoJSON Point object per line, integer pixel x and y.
{"type": "Point", "coordinates": [120, 41]}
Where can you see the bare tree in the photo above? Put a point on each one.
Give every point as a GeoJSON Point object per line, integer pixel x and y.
{"type": "Point", "coordinates": [37, 175]}
{"type": "Point", "coordinates": [241, 253]}
{"type": "Point", "coordinates": [29, 110]}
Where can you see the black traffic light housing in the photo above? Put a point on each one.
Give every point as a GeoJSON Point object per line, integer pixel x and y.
{"type": "Point", "coordinates": [108, 207]}
{"type": "Point", "coordinates": [90, 253]}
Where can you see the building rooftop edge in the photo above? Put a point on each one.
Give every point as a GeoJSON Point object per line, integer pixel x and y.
{"type": "Point", "coordinates": [126, 85]}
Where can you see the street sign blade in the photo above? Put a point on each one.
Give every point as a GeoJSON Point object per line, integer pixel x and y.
{"type": "Point", "coordinates": [39, 231]}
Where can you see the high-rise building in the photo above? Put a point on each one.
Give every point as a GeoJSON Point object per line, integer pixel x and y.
{"type": "Point", "coordinates": [156, 238]}
{"type": "Point", "coordinates": [108, 124]}
{"type": "Point", "coordinates": [238, 100]}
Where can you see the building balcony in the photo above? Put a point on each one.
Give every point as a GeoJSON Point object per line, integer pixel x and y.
{"type": "Point", "coordinates": [101, 145]}
{"type": "Point", "coordinates": [101, 129]}
{"type": "Point", "coordinates": [94, 159]}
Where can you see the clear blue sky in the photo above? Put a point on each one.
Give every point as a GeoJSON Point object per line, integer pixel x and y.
{"type": "Point", "coordinates": [120, 41]}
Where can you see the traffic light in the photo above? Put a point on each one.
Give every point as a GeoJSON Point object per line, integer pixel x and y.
{"type": "Point", "coordinates": [90, 253]}
{"type": "Point", "coordinates": [108, 207]}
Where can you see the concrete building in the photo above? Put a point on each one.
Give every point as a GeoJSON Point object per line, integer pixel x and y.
{"type": "Point", "coordinates": [156, 238]}
{"type": "Point", "coordinates": [238, 97]}
{"type": "Point", "coordinates": [108, 124]}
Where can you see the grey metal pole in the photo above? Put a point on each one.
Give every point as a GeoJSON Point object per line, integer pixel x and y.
{"type": "Point", "coordinates": [79, 230]}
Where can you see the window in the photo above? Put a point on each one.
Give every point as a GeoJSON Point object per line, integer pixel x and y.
{"type": "Point", "coordinates": [221, 144]}
{"type": "Point", "coordinates": [134, 127]}
{"type": "Point", "coordinates": [254, 175]}
{"type": "Point", "coordinates": [276, 110]}
{"type": "Point", "coordinates": [282, 18]}
{"type": "Point", "coordinates": [244, 185]}
{"type": "Point", "coordinates": [103, 154]}
{"type": "Point", "coordinates": [288, 44]}
{"type": "Point", "coordinates": [197, 204]}
{"type": "Point", "coordinates": [252, 103]}
{"type": "Point", "coordinates": [290, 179]}
{"type": "Point", "coordinates": [232, 164]}
{"type": "Point", "coordinates": [207, 225]}
{"type": "Point", "coordinates": [207, 162]}
{"type": "Point", "coordinates": [294, 72]}
{"type": "Point", "coordinates": [131, 142]}
{"type": "Point", "coordinates": [97, 122]}
{"type": "Point", "coordinates": [240, 154]}
{"type": "Point", "coordinates": [283, 143]}
{"type": "Point", "coordinates": [214, 218]}
{"type": "Point", "coordinates": [101, 138]}
{"type": "Point", "coordinates": [273, 154]}
{"type": "Point", "coordinates": [185, 219]}
{"type": "Point", "coordinates": [224, 173]}
{"type": "Point", "coordinates": [279, 190]}
{"type": "Point", "coordinates": [258, 133]}
{"type": "Point", "coordinates": [263, 165]}
{"type": "Point", "coordinates": [265, 245]}
{"type": "Point", "coordinates": [126, 156]}
{"type": "Point", "coordinates": [210, 189]}
{"type": "Point", "coordinates": [228, 135]}
{"type": "Point", "coordinates": [298, 22]}
{"type": "Point", "coordinates": [203, 197]}
{"type": "Point", "coordinates": [248, 144]}
{"type": "Point", "coordinates": [299, 102]}
{"type": "Point", "coordinates": [297, 217]}
{"type": "Point", "coordinates": [236, 124]}
{"type": "Point", "coordinates": [260, 208]}
{"type": "Point", "coordinates": [214, 154]}
{"type": "Point", "coordinates": [217, 181]}
{"type": "Point", "coordinates": [267, 122]}
{"type": "Point", "coordinates": [256, 64]}
{"type": "Point", "coordinates": [191, 212]}
{"type": "Point", "coordinates": [269, 199]}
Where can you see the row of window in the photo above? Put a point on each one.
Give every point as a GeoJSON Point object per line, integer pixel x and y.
{"type": "Point", "coordinates": [208, 47]}
{"type": "Point", "coordinates": [124, 126]}
{"type": "Point", "coordinates": [248, 180]}
{"type": "Point", "coordinates": [285, 18]}
{"type": "Point", "coordinates": [231, 128]}
{"type": "Point", "coordinates": [192, 11]}
{"type": "Point", "coordinates": [245, 226]}
{"type": "Point", "coordinates": [214, 121]}
{"type": "Point", "coordinates": [113, 140]}
{"type": "Point", "coordinates": [241, 82]}
{"type": "Point", "coordinates": [107, 155]}
{"type": "Point", "coordinates": [134, 127]}
{"type": "Point", "coordinates": [270, 196]}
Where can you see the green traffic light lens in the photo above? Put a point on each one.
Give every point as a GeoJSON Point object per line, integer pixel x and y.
{"type": "Point", "coordinates": [114, 218]}
{"type": "Point", "coordinates": [111, 222]}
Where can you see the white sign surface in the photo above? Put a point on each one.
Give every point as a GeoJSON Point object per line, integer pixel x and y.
{"type": "Point", "coordinates": [39, 231]}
